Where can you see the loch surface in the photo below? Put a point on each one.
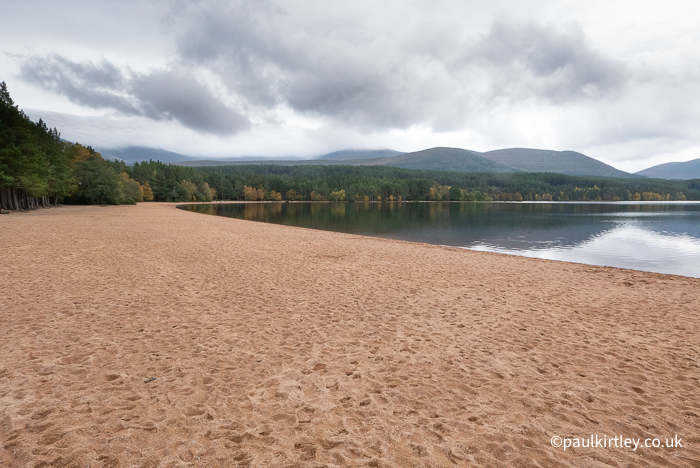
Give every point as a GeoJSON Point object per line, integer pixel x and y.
{"type": "Point", "coordinates": [648, 236]}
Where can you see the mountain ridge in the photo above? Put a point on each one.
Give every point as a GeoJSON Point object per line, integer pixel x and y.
{"type": "Point", "coordinates": [438, 158]}
{"type": "Point", "coordinates": [562, 162]}
{"type": "Point", "coordinates": [350, 154]}
{"type": "Point", "coordinates": [674, 170]}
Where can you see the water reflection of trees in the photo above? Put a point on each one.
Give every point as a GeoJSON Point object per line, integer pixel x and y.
{"type": "Point", "coordinates": [501, 224]}
{"type": "Point", "coordinates": [337, 209]}
{"type": "Point", "coordinates": [261, 211]}
{"type": "Point", "coordinates": [253, 211]}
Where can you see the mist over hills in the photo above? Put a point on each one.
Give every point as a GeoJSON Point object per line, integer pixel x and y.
{"type": "Point", "coordinates": [674, 170]}
{"type": "Point", "coordinates": [349, 154]}
{"type": "Point", "coordinates": [134, 154]}
{"type": "Point", "coordinates": [440, 158]}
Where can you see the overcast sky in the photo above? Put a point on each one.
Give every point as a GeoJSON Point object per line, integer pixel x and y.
{"type": "Point", "coordinates": [616, 80]}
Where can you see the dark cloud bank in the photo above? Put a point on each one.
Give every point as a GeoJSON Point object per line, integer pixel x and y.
{"type": "Point", "coordinates": [158, 95]}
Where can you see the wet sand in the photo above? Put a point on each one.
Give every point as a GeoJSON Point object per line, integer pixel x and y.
{"type": "Point", "coordinates": [150, 336]}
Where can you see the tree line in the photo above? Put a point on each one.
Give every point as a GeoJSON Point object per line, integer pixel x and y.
{"type": "Point", "coordinates": [381, 183]}
{"type": "Point", "coordinates": [38, 169]}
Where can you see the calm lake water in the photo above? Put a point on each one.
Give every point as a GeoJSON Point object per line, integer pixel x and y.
{"type": "Point", "coordinates": [652, 236]}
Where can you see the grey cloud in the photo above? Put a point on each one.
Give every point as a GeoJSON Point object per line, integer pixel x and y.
{"type": "Point", "coordinates": [342, 71]}
{"type": "Point", "coordinates": [238, 40]}
{"type": "Point", "coordinates": [268, 56]}
{"type": "Point", "coordinates": [158, 95]}
{"type": "Point", "coordinates": [547, 62]}
{"type": "Point", "coordinates": [167, 94]}
{"type": "Point", "coordinates": [89, 84]}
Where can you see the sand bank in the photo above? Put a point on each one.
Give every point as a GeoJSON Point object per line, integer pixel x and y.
{"type": "Point", "coordinates": [149, 336]}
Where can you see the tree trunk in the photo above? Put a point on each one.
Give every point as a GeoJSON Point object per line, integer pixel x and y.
{"type": "Point", "coordinates": [10, 201]}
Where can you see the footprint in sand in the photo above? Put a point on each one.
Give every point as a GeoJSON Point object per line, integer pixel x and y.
{"type": "Point", "coordinates": [306, 451]}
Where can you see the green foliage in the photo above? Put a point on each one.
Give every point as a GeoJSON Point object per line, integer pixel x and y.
{"type": "Point", "coordinates": [130, 191]}
{"type": "Point", "coordinates": [98, 182]}
{"type": "Point", "coordinates": [38, 169]}
{"type": "Point", "coordinates": [372, 182]}
{"type": "Point", "coordinates": [190, 190]}
{"type": "Point", "coordinates": [338, 195]}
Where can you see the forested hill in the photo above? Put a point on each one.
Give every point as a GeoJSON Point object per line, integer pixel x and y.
{"type": "Point", "coordinates": [445, 159]}
{"type": "Point", "coordinates": [563, 162]}
{"type": "Point", "coordinates": [456, 159]}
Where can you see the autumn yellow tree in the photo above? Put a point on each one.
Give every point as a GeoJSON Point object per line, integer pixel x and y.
{"type": "Point", "coordinates": [207, 192]}
{"type": "Point", "coordinates": [292, 195]}
{"type": "Point", "coordinates": [337, 195]}
{"type": "Point", "coordinates": [314, 196]}
{"type": "Point", "coordinates": [147, 192]}
{"type": "Point", "coordinates": [190, 188]}
{"type": "Point", "coordinates": [249, 193]}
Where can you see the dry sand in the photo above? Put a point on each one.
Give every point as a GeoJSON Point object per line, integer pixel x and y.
{"type": "Point", "coordinates": [278, 346]}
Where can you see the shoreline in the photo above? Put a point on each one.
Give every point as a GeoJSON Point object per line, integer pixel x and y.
{"type": "Point", "coordinates": [669, 260]}
{"type": "Point", "coordinates": [278, 345]}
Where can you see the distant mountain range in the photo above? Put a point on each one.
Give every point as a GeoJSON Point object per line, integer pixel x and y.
{"type": "Point", "coordinates": [346, 155]}
{"type": "Point", "coordinates": [675, 170]}
{"type": "Point", "coordinates": [133, 154]}
{"type": "Point", "coordinates": [139, 154]}
{"type": "Point", "coordinates": [440, 159]}
{"type": "Point", "coordinates": [456, 159]}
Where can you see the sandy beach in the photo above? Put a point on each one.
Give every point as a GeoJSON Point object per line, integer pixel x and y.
{"type": "Point", "coordinates": [150, 336]}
